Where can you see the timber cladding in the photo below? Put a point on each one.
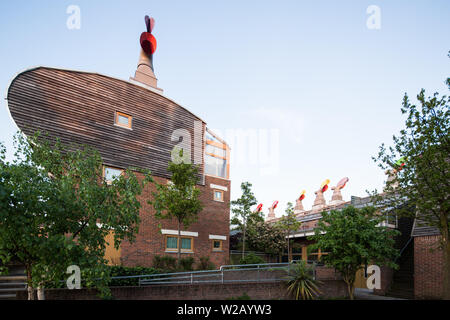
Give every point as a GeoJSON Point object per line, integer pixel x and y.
{"type": "Point", "coordinates": [80, 107]}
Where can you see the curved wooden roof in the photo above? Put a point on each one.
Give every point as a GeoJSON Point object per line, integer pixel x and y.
{"type": "Point", "coordinates": [79, 107]}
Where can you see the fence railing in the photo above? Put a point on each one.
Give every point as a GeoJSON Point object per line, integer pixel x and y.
{"type": "Point", "coordinates": [225, 274]}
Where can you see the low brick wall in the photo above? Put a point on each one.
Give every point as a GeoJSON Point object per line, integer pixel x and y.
{"type": "Point", "coordinates": [212, 291]}
{"type": "Point", "coordinates": [327, 273]}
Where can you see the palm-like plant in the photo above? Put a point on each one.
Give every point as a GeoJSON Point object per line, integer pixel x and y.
{"type": "Point", "coordinates": [301, 282]}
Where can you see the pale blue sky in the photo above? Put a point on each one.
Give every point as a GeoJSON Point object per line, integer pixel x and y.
{"type": "Point", "coordinates": [310, 69]}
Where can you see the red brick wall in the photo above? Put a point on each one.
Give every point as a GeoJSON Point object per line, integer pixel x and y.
{"type": "Point", "coordinates": [428, 268]}
{"type": "Point", "coordinates": [214, 219]}
{"type": "Point", "coordinates": [213, 291]}
{"type": "Point", "coordinates": [327, 273]}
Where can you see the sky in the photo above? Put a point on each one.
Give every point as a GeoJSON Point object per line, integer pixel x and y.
{"type": "Point", "coordinates": [317, 84]}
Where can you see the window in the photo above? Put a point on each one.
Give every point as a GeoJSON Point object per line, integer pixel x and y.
{"type": "Point", "coordinates": [217, 156]}
{"type": "Point", "coordinates": [215, 166]}
{"type": "Point", "coordinates": [187, 244]}
{"type": "Point", "coordinates": [123, 120]}
{"type": "Point", "coordinates": [315, 255]}
{"type": "Point", "coordinates": [218, 195]}
{"type": "Point", "coordinates": [217, 245]}
{"type": "Point", "coordinates": [109, 174]}
{"type": "Point", "coordinates": [171, 243]}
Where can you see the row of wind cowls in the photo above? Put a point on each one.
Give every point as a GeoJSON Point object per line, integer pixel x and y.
{"type": "Point", "coordinates": [319, 202]}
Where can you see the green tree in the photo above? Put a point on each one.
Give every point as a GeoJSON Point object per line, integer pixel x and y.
{"type": "Point", "coordinates": [423, 145]}
{"type": "Point", "coordinates": [289, 223]}
{"type": "Point", "coordinates": [179, 198]}
{"type": "Point", "coordinates": [56, 210]}
{"type": "Point", "coordinates": [265, 237]}
{"type": "Point", "coordinates": [353, 237]}
{"type": "Point", "coordinates": [241, 208]}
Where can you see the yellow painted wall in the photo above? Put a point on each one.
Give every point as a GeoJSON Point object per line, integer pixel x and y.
{"type": "Point", "coordinates": [360, 279]}
{"type": "Point", "coordinates": [112, 254]}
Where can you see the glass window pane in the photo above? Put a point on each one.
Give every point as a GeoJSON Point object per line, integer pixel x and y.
{"type": "Point", "coordinates": [209, 136]}
{"type": "Point", "coordinates": [122, 119]}
{"type": "Point", "coordinates": [313, 257]}
{"type": "Point", "coordinates": [186, 243]}
{"type": "Point", "coordinates": [215, 166]}
{"type": "Point", "coordinates": [171, 243]}
{"type": "Point", "coordinates": [296, 250]}
{"type": "Point", "coordinates": [111, 173]}
{"type": "Point", "coordinates": [217, 195]}
{"type": "Point", "coordinates": [222, 168]}
{"type": "Point", "coordinates": [210, 165]}
{"type": "Point", "coordinates": [216, 244]}
{"type": "Point", "coordinates": [216, 151]}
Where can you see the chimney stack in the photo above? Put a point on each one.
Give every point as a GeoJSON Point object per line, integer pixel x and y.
{"type": "Point", "coordinates": [271, 214]}
{"type": "Point", "coordinates": [298, 209]}
{"type": "Point", "coordinates": [320, 202]}
{"type": "Point", "coordinates": [336, 198]}
{"type": "Point", "coordinates": [145, 73]}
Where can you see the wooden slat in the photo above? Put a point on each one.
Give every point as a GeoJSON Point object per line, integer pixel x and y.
{"type": "Point", "coordinates": [80, 107]}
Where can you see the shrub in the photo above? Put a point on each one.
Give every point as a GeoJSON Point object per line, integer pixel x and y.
{"type": "Point", "coordinates": [186, 264]}
{"type": "Point", "coordinates": [117, 271]}
{"type": "Point", "coordinates": [251, 258]}
{"type": "Point", "coordinates": [165, 263]}
{"type": "Point", "coordinates": [244, 296]}
{"type": "Point", "coordinates": [205, 264]}
{"type": "Point", "coordinates": [301, 282]}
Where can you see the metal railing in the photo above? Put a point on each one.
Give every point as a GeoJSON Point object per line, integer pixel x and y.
{"type": "Point", "coordinates": [267, 272]}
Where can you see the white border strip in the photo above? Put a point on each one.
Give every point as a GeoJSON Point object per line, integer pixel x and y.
{"type": "Point", "coordinates": [217, 237]}
{"type": "Point", "coordinates": [183, 233]}
{"type": "Point", "coordinates": [216, 186]}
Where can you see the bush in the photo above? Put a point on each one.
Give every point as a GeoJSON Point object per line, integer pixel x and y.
{"type": "Point", "coordinates": [301, 282]}
{"type": "Point", "coordinates": [186, 264]}
{"type": "Point", "coordinates": [244, 296]}
{"type": "Point", "coordinates": [251, 258]}
{"type": "Point", "coordinates": [205, 264]}
{"type": "Point", "coordinates": [117, 271]}
{"type": "Point", "coordinates": [165, 263]}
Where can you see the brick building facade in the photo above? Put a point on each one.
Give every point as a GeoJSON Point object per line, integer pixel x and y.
{"type": "Point", "coordinates": [428, 267]}
{"type": "Point", "coordinates": [421, 263]}
{"type": "Point", "coordinates": [212, 225]}
{"type": "Point", "coordinates": [309, 219]}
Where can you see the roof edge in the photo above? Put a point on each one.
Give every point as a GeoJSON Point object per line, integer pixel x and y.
{"type": "Point", "coordinates": [90, 72]}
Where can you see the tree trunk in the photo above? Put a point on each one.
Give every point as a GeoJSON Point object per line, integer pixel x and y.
{"type": "Point", "coordinates": [350, 281]}
{"type": "Point", "coordinates": [40, 293]}
{"type": "Point", "coordinates": [243, 243]}
{"type": "Point", "coordinates": [30, 288]}
{"type": "Point", "coordinates": [350, 290]}
{"type": "Point", "coordinates": [446, 254]}
{"type": "Point", "coordinates": [288, 251]}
